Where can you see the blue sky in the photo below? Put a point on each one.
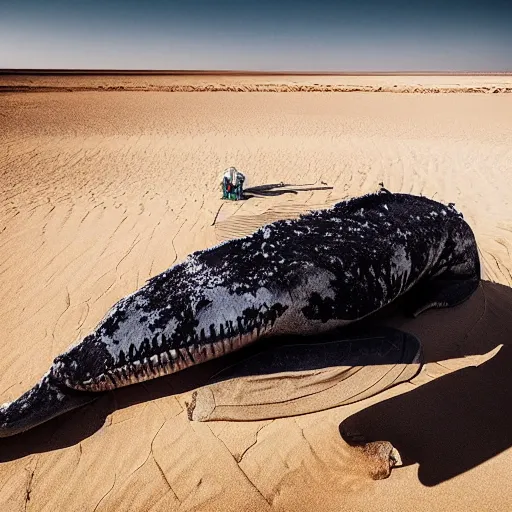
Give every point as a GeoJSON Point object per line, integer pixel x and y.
{"type": "Point", "coordinates": [300, 35]}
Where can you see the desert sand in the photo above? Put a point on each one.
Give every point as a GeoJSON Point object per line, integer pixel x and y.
{"type": "Point", "coordinates": [250, 82]}
{"type": "Point", "coordinates": [101, 191]}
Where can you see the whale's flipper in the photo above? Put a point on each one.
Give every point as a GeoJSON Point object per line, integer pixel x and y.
{"type": "Point", "coordinates": [301, 378]}
{"type": "Point", "coordinates": [440, 293]}
{"type": "Point", "coordinates": [46, 400]}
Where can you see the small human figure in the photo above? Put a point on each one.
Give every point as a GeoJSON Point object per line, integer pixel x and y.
{"type": "Point", "coordinates": [232, 184]}
{"type": "Point", "coordinates": [383, 189]}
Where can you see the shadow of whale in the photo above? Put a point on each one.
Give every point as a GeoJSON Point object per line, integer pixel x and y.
{"type": "Point", "coordinates": [460, 420]}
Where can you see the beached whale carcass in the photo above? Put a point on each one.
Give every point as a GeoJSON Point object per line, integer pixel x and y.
{"type": "Point", "coordinates": [323, 270]}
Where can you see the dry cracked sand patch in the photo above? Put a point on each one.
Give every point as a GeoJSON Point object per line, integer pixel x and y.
{"type": "Point", "coordinates": [101, 191]}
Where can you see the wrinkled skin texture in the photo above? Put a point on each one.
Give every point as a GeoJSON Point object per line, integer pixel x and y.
{"type": "Point", "coordinates": [304, 276]}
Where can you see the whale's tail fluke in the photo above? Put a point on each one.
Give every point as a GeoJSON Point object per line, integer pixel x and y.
{"type": "Point", "coordinates": [46, 400]}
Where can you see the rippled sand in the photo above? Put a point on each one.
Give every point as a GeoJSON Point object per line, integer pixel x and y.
{"type": "Point", "coordinates": [100, 191]}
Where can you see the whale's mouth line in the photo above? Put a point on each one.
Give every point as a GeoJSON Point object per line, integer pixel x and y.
{"type": "Point", "coordinates": [159, 365]}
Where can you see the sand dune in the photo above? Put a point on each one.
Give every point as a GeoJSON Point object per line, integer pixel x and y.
{"type": "Point", "coordinates": [101, 191]}
{"type": "Point", "coordinates": [215, 82]}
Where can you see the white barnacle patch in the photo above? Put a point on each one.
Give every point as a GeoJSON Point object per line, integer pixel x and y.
{"type": "Point", "coordinates": [193, 266]}
{"type": "Point", "coordinates": [383, 286]}
{"type": "Point", "coordinates": [266, 232]}
{"type": "Point", "coordinates": [4, 406]}
{"type": "Point", "coordinates": [401, 264]}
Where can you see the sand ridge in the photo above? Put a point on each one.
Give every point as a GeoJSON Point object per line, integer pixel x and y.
{"type": "Point", "coordinates": [102, 191]}
{"type": "Point", "coordinates": [247, 82]}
